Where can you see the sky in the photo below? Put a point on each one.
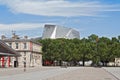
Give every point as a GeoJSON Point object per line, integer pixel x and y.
{"type": "Point", "coordinates": [28, 17]}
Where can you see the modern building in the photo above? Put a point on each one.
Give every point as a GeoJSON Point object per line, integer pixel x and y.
{"type": "Point", "coordinates": [55, 31]}
{"type": "Point", "coordinates": [5, 55]}
{"type": "Point", "coordinates": [29, 50]}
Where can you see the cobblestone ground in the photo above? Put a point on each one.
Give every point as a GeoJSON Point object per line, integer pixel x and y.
{"type": "Point", "coordinates": [57, 73]}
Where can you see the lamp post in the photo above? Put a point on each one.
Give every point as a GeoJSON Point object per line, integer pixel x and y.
{"type": "Point", "coordinates": [84, 53]}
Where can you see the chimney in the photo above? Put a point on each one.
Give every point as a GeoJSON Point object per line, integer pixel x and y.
{"type": "Point", "coordinates": [14, 36]}
{"type": "Point", "coordinates": [3, 37]}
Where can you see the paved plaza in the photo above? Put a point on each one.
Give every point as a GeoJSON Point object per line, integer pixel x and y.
{"type": "Point", "coordinates": [58, 73]}
{"type": "Point", "coordinates": [115, 71]}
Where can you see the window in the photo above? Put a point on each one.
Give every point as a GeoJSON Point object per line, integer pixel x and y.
{"type": "Point", "coordinates": [24, 53]}
{"type": "Point", "coordinates": [25, 45]}
{"type": "Point", "coordinates": [16, 45]}
{"type": "Point", "coordinates": [10, 45]}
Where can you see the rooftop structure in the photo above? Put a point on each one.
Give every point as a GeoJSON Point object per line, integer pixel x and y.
{"type": "Point", "coordinates": [54, 31]}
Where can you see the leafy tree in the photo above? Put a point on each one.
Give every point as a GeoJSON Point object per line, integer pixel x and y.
{"type": "Point", "coordinates": [73, 50]}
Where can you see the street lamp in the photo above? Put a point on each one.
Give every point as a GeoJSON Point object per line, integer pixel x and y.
{"type": "Point", "coordinates": [84, 53]}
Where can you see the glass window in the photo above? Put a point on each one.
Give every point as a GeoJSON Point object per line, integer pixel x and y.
{"type": "Point", "coordinates": [25, 45]}
{"type": "Point", "coordinates": [10, 45]}
{"type": "Point", "coordinates": [24, 53]}
{"type": "Point", "coordinates": [16, 45]}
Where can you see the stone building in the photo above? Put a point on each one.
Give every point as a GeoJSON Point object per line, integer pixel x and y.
{"type": "Point", "coordinates": [117, 61]}
{"type": "Point", "coordinates": [30, 51]}
{"type": "Point", "coordinates": [5, 54]}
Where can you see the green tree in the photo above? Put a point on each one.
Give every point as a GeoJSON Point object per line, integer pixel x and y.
{"type": "Point", "coordinates": [73, 50]}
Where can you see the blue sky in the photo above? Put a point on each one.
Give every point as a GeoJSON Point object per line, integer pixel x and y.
{"type": "Point", "coordinates": [27, 17]}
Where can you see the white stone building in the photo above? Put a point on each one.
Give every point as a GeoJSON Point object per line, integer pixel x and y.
{"type": "Point", "coordinates": [117, 61]}
{"type": "Point", "coordinates": [30, 51]}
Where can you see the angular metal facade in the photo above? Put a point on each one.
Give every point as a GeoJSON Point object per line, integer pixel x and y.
{"type": "Point", "coordinates": [54, 31]}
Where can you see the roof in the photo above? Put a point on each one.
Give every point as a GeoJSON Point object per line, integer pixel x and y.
{"type": "Point", "coordinates": [5, 50]}
{"type": "Point", "coordinates": [21, 40]}
{"type": "Point", "coordinates": [55, 31]}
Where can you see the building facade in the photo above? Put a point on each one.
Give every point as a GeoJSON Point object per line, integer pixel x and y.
{"type": "Point", "coordinates": [55, 31]}
{"type": "Point", "coordinates": [5, 55]}
{"type": "Point", "coordinates": [117, 61]}
{"type": "Point", "coordinates": [30, 51]}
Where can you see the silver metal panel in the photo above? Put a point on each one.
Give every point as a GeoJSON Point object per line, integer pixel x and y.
{"type": "Point", "coordinates": [54, 31]}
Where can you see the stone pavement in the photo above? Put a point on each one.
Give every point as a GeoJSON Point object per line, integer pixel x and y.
{"type": "Point", "coordinates": [115, 71]}
{"type": "Point", "coordinates": [57, 73]}
{"type": "Point", "coordinates": [14, 71]}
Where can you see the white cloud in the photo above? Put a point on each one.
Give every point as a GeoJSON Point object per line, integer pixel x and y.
{"type": "Point", "coordinates": [58, 7]}
{"type": "Point", "coordinates": [20, 26]}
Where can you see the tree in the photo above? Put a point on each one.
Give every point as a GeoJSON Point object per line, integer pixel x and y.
{"type": "Point", "coordinates": [73, 50]}
{"type": "Point", "coordinates": [93, 38]}
{"type": "Point", "coordinates": [119, 38]}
